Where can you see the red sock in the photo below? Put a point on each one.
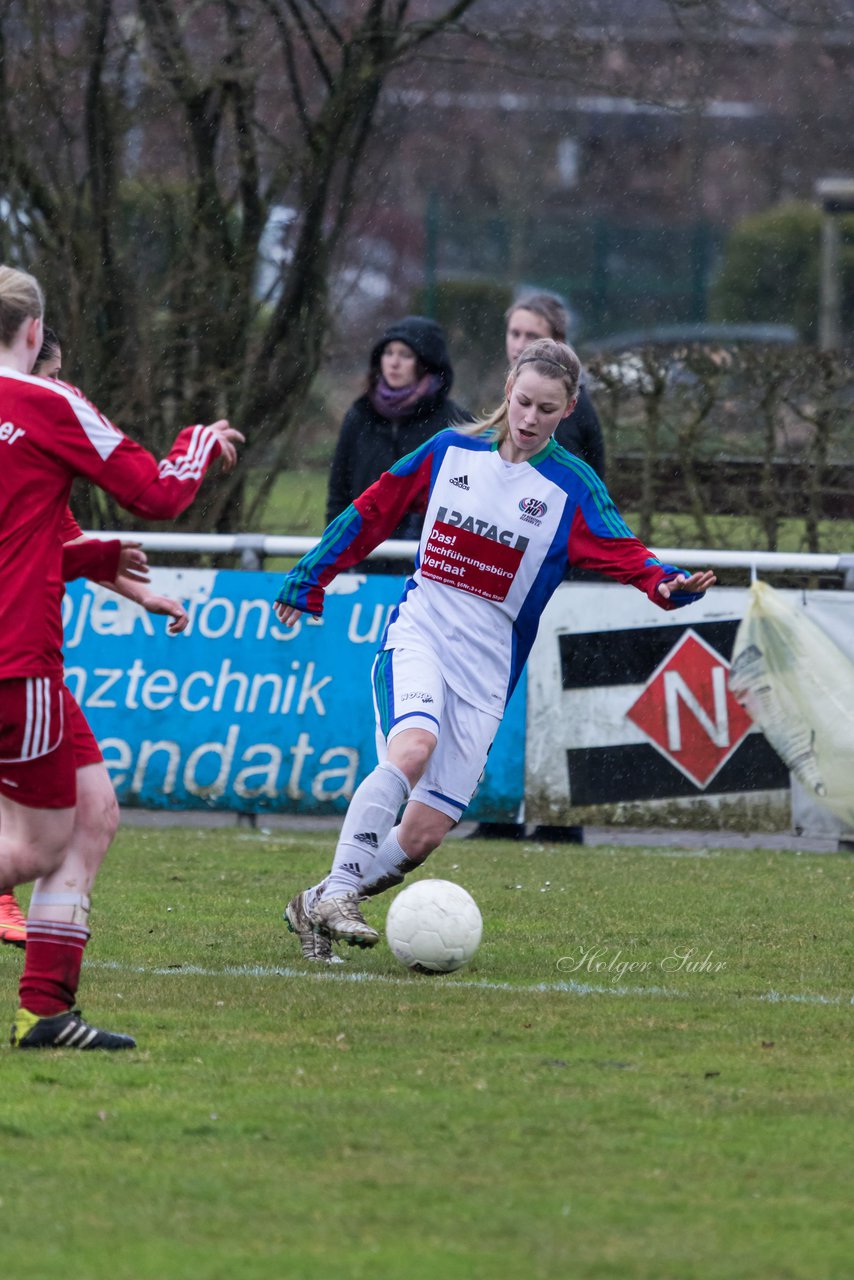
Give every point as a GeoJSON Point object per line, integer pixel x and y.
{"type": "Point", "coordinates": [52, 966]}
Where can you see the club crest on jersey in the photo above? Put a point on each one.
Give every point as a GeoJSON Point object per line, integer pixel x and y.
{"type": "Point", "coordinates": [471, 524]}
{"type": "Point", "coordinates": [532, 510]}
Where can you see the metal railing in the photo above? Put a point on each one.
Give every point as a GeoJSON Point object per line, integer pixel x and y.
{"type": "Point", "coordinates": [254, 548]}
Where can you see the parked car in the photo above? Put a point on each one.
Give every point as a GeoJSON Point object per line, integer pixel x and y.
{"type": "Point", "coordinates": [643, 356]}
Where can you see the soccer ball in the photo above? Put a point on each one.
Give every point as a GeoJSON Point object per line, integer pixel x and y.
{"type": "Point", "coordinates": [434, 926]}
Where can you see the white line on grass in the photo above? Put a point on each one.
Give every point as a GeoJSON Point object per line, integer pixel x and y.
{"type": "Point", "coordinates": [336, 975]}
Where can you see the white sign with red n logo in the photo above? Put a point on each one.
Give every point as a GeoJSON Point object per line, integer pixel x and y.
{"type": "Point", "coordinates": [629, 711]}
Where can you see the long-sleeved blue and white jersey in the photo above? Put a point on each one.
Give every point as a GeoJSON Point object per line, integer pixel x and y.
{"type": "Point", "coordinates": [496, 541]}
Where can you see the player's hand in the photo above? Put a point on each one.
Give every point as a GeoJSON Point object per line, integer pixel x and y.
{"type": "Point", "coordinates": [700, 581]}
{"type": "Point", "coordinates": [287, 613]}
{"type": "Point", "coordinates": [133, 562]}
{"type": "Point", "coordinates": [229, 438]}
{"type": "Point", "coordinates": [170, 608]}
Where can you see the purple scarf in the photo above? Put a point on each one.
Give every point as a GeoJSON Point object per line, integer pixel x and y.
{"type": "Point", "coordinates": [391, 403]}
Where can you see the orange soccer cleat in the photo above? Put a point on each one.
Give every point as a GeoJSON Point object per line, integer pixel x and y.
{"type": "Point", "coordinates": [13, 926]}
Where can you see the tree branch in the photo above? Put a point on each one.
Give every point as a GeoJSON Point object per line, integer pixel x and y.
{"type": "Point", "coordinates": [292, 71]}
{"type": "Point", "coordinates": [305, 32]}
{"type": "Point", "coordinates": [419, 32]}
{"type": "Point", "coordinates": [161, 23]}
{"type": "Point", "coordinates": [325, 20]}
{"type": "Point", "coordinates": [242, 98]}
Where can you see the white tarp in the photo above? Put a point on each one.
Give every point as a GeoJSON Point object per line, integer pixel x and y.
{"type": "Point", "coordinates": [798, 685]}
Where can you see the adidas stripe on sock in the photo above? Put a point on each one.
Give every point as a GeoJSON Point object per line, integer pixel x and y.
{"type": "Point", "coordinates": [388, 868]}
{"type": "Point", "coordinates": [372, 813]}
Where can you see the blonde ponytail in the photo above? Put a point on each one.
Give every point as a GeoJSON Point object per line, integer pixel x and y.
{"type": "Point", "coordinates": [21, 299]}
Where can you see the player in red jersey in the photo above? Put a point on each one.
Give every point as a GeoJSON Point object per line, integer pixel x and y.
{"type": "Point", "coordinates": [97, 814]}
{"type": "Point", "coordinates": [131, 580]}
{"type": "Point", "coordinates": [124, 566]}
{"type": "Point", "coordinates": [48, 435]}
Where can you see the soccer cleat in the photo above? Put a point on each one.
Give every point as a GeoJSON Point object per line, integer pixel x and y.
{"type": "Point", "coordinates": [340, 919]}
{"type": "Point", "coordinates": [315, 946]}
{"type": "Point", "coordinates": [13, 926]}
{"type": "Point", "coordinates": [63, 1031]}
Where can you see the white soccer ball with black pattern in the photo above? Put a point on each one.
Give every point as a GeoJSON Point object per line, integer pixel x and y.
{"type": "Point", "coordinates": [434, 926]}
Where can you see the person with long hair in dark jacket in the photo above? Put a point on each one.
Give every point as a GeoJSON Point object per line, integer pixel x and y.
{"type": "Point", "coordinates": [406, 401]}
{"type": "Point", "coordinates": [531, 317]}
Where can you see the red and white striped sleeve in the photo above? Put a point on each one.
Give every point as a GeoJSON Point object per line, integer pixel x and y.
{"type": "Point", "coordinates": [83, 438]}
{"type": "Point", "coordinates": [160, 491]}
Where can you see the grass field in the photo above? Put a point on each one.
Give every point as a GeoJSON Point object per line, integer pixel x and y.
{"type": "Point", "coordinates": [532, 1116]}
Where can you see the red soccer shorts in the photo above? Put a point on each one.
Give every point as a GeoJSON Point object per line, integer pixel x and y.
{"type": "Point", "coordinates": [86, 749]}
{"type": "Point", "coordinates": [44, 740]}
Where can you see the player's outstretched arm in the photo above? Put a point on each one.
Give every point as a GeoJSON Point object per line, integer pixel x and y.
{"type": "Point", "coordinates": [168, 607]}
{"type": "Point", "coordinates": [287, 613]}
{"type": "Point", "coordinates": [173, 486]}
{"type": "Point", "coordinates": [358, 529]}
{"type": "Point", "coordinates": [133, 563]}
{"type": "Point", "coordinates": [82, 438]}
{"type": "Point", "coordinates": [102, 560]}
{"type": "Point", "coordinates": [127, 575]}
{"type": "Point", "coordinates": [135, 589]}
{"type": "Point", "coordinates": [683, 585]}
{"type": "Point", "coordinates": [229, 438]}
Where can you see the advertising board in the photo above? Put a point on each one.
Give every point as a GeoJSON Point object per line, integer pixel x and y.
{"type": "Point", "coordinates": [239, 712]}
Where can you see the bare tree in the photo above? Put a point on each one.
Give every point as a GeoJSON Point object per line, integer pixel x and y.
{"type": "Point", "coordinates": [147, 145]}
{"type": "Point", "coordinates": [143, 145]}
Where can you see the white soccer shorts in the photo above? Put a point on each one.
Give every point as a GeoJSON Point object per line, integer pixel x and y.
{"type": "Point", "coordinates": [410, 692]}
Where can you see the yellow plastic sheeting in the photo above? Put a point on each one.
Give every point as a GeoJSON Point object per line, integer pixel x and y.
{"type": "Point", "coordinates": [798, 687]}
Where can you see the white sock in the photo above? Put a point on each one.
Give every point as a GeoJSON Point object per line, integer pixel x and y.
{"type": "Point", "coordinates": [388, 868]}
{"type": "Point", "coordinates": [312, 895]}
{"type": "Point", "coordinates": [372, 813]}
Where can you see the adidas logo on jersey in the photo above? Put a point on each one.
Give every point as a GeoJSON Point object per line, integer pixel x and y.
{"type": "Point", "coordinates": [368, 837]}
{"type": "Point", "coordinates": [462, 482]}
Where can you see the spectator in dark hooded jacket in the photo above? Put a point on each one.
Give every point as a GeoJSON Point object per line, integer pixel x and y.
{"type": "Point", "coordinates": [407, 400]}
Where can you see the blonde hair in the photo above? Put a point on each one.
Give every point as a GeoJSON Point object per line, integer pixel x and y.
{"type": "Point", "coordinates": [21, 299]}
{"type": "Point", "coordinates": [549, 359]}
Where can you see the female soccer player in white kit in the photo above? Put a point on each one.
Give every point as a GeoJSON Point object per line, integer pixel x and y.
{"type": "Point", "coordinates": [506, 508]}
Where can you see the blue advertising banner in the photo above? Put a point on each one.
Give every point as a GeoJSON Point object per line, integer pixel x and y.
{"type": "Point", "coordinates": [239, 712]}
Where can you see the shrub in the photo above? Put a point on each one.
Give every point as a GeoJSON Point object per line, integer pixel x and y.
{"type": "Point", "coordinates": [471, 311]}
{"type": "Point", "coordinates": [770, 270]}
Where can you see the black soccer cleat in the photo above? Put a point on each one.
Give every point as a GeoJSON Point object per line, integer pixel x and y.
{"type": "Point", "coordinates": [63, 1031]}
